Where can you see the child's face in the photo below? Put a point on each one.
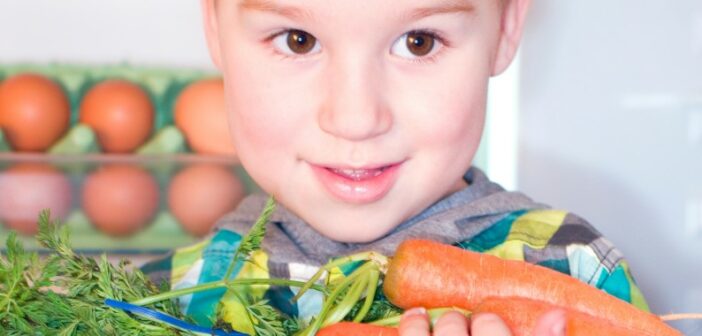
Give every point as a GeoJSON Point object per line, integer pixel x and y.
{"type": "Point", "coordinates": [358, 114]}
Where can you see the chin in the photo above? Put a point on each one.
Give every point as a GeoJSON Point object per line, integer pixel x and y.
{"type": "Point", "coordinates": [351, 233]}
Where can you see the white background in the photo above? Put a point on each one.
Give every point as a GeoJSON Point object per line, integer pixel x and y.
{"type": "Point", "coordinates": [610, 120]}
{"type": "Point", "coordinates": [603, 117]}
{"type": "Point", "coordinates": [159, 32]}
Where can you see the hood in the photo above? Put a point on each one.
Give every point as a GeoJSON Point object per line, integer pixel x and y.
{"type": "Point", "coordinates": [456, 218]}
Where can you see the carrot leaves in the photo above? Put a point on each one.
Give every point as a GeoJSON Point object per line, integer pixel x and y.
{"type": "Point", "coordinates": [62, 293]}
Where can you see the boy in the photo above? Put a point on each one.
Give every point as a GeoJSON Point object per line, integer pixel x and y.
{"type": "Point", "coordinates": [362, 118]}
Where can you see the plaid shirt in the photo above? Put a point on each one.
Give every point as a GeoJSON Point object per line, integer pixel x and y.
{"type": "Point", "coordinates": [552, 238]}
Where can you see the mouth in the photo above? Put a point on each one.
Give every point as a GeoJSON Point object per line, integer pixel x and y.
{"type": "Point", "coordinates": [357, 185]}
{"type": "Point", "coordinates": [358, 174]}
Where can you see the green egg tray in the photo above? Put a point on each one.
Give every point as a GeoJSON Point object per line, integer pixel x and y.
{"type": "Point", "coordinates": [162, 84]}
{"type": "Point", "coordinates": [161, 234]}
{"type": "Point", "coordinates": [77, 160]}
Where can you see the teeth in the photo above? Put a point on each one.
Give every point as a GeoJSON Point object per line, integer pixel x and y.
{"type": "Point", "coordinates": [358, 174]}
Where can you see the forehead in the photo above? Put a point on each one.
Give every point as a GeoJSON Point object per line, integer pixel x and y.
{"type": "Point", "coordinates": [406, 9]}
{"type": "Point", "coordinates": [290, 8]}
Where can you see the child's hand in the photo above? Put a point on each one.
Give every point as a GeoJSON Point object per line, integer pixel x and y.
{"type": "Point", "coordinates": [415, 322]}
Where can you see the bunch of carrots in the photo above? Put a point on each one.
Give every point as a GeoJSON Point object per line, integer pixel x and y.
{"type": "Point", "coordinates": [422, 273]}
{"type": "Point", "coordinates": [442, 277]}
{"type": "Point", "coordinates": [429, 274]}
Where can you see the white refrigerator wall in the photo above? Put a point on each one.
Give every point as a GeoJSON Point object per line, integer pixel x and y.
{"type": "Point", "coordinates": [610, 127]}
{"type": "Point", "coordinates": [159, 32]}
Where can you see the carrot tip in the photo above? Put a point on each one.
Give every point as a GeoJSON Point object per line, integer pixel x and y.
{"type": "Point", "coordinates": [677, 317]}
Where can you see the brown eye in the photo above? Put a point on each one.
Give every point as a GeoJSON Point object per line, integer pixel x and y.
{"type": "Point", "coordinates": [300, 42]}
{"type": "Point", "coordinates": [419, 43]}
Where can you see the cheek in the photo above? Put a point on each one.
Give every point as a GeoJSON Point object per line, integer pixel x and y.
{"type": "Point", "coordinates": [263, 115]}
{"type": "Point", "coordinates": [265, 120]}
{"type": "Point", "coordinates": [447, 111]}
{"type": "Point", "coordinates": [460, 116]}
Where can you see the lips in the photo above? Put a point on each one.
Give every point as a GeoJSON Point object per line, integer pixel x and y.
{"type": "Point", "coordinates": [358, 174]}
{"type": "Point", "coordinates": [357, 185]}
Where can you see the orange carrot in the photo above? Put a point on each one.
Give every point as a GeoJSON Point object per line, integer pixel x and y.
{"type": "Point", "coordinates": [519, 314]}
{"type": "Point", "coordinates": [522, 314]}
{"type": "Point", "coordinates": [356, 329]}
{"type": "Point", "coordinates": [429, 274]}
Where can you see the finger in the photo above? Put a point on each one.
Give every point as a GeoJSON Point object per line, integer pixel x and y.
{"type": "Point", "coordinates": [552, 323]}
{"type": "Point", "coordinates": [451, 323]}
{"type": "Point", "coordinates": [486, 324]}
{"type": "Point", "coordinates": [414, 322]}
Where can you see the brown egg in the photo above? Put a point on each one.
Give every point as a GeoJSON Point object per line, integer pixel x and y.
{"type": "Point", "coordinates": [28, 188]}
{"type": "Point", "coordinates": [200, 113]}
{"type": "Point", "coordinates": [200, 194]}
{"type": "Point", "coordinates": [120, 199]}
{"type": "Point", "coordinates": [34, 112]}
{"type": "Point", "coordinates": [121, 114]}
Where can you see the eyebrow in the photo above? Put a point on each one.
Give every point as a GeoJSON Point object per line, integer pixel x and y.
{"type": "Point", "coordinates": [270, 6]}
{"type": "Point", "coordinates": [445, 7]}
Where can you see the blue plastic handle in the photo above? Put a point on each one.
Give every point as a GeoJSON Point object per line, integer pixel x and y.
{"type": "Point", "coordinates": [168, 319]}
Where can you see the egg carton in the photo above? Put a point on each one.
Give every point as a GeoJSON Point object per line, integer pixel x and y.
{"type": "Point", "coordinates": [163, 205]}
{"type": "Point", "coordinates": [69, 165]}
{"type": "Point", "coordinates": [162, 84]}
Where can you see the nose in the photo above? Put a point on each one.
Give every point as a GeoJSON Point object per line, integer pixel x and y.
{"type": "Point", "coordinates": [354, 108]}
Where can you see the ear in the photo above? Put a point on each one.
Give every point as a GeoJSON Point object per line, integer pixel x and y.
{"type": "Point", "coordinates": [513, 16]}
{"type": "Point", "coordinates": [209, 20]}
